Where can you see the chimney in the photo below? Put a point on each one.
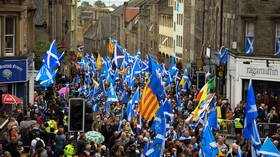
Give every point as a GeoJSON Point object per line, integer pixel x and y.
{"type": "Point", "coordinates": [125, 4]}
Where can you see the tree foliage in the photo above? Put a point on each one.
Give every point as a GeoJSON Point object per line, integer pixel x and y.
{"type": "Point", "coordinates": [84, 6]}
{"type": "Point", "coordinates": [99, 3]}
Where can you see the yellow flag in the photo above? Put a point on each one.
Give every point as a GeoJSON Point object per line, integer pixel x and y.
{"type": "Point", "coordinates": [182, 82]}
{"type": "Point", "coordinates": [99, 61]}
{"type": "Point", "coordinates": [203, 98]}
{"type": "Point", "coordinates": [111, 47]}
{"type": "Point", "coordinates": [122, 72]}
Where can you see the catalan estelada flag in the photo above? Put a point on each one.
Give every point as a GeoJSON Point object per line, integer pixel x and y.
{"type": "Point", "coordinates": [111, 47]}
{"type": "Point", "coordinates": [149, 104]}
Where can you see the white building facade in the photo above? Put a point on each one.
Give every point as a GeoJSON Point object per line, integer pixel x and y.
{"type": "Point", "coordinates": [178, 28]}
{"type": "Point", "coordinates": [264, 73]}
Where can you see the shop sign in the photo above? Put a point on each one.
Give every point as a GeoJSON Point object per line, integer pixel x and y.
{"type": "Point", "coordinates": [262, 71]}
{"type": "Point", "coordinates": [13, 71]}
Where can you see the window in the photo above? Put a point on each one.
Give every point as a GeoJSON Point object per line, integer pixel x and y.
{"type": "Point", "coordinates": [9, 35]}
{"type": "Point", "coordinates": [277, 40]}
{"type": "Point", "coordinates": [249, 38]}
{"type": "Point", "coordinates": [180, 19]}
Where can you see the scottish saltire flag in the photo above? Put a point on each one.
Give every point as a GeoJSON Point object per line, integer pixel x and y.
{"type": "Point", "coordinates": [167, 111]}
{"type": "Point", "coordinates": [277, 47]}
{"type": "Point", "coordinates": [144, 67]}
{"type": "Point", "coordinates": [172, 69]}
{"type": "Point", "coordinates": [223, 55]}
{"type": "Point", "coordinates": [251, 112]}
{"type": "Point", "coordinates": [118, 56]}
{"type": "Point", "coordinates": [136, 70]}
{"type": "Point", "coordinates": [44, 73]}
{"type": "Point", "coordinates": [249, 45]}
{"type": "Point", "coordinates": [268, 149]}
{"type": "Point", "coordinates": [255, 141]}
{"type": "Point", "coordinates": [178, 97]}
{"type": "Point", "coordinates": [77, 79]}
{"type": "Point", "coordinates": [158, 120]}
{"type": "Point", "coordinates": [130, 106]}
{"type": "Point", "coordinates": [112, 96]}
{"type": "Point", "coordinates": [121, 118]}
{"type": "Point", "coordinates": [99, 93]}
{"type": "Point", "coordinates": [116, 75]}
{"type": "Point", "coordinates": [209, 147]}
{"type": "Point", "coordinates": [213, 119]}
{"type": "Point", "coordinates": [52, 58]}
{"type": "Point", "coordinates": [185, 81]}
{"type": "Point", "coordinates": [48, 81]}
{"type": "Point", "coordinates": [155, 150]}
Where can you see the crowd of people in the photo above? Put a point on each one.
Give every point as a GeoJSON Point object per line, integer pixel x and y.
{"type": "Point", "coordinates": [46, 133]}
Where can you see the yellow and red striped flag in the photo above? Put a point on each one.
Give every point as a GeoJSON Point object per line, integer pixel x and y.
{"type": "Point", "coordinates": [149, 104]}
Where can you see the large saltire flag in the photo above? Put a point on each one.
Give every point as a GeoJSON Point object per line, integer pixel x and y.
{"type": "Point", "coordinates": [52, 59]}
{"type": "Point", "coordinates": [48, 81]}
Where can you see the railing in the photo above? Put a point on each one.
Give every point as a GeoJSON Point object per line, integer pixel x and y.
{"type": "Point", "coordinates": [265, 129]}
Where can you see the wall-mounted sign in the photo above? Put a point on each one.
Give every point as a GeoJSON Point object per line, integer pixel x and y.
{"type": "Point", "coordinates": [13, 71]}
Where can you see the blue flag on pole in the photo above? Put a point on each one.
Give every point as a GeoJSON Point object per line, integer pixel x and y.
{"type": "Point", "coordinates": [48, 81]}
{"type": "Point", "coordinates": [209, 147]}
{"type": "Point", "coordinates": [213, 119]}
{"type": "Point", "coordinates": [223, 55]}
{"type": "Point", "coordinates": [251, 112]}
{"type": "Point", "coordinates": [155, 150]}
{"type": "Point", "coordinates": [112, 96]}
{"type": "Point", "coordinates": [118, 56]}
{"type": "Point", "coordinates": [52, 58]}
{"type": "Point", "coordinates": [130, 106]}
{"type": "Point", "coordinates": [268, 149]}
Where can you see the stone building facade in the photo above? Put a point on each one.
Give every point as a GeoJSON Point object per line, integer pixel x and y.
{"type": "Point", "coordinates": [57, 20]}
{"type": "Point", "coordinates": [16, 27]}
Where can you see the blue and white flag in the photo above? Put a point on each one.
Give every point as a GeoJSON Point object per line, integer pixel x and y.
{"type": "Point", "coordinates": [130, 106]}
{"type": "Point", "coordinates": [118, 56]}
{"type": "Point", "coordinates": [186, 81]}
{"type": "Point", "coordinates": [44, 73]}
{"type": "Point", "coordinates": [268, 149]}
{"type": "Point", "coordinates": [251, 112]}
{"type": "Point", "coordinates": [209, 147]}
{"type": "Point", "coordinates": [249, 47]}
{"type": "Point", "coordinates": [135, 71]}
{"type": "Point", "coordinates": [112, 95]}
{"type": "Point", "coordinates": [255, 141]}
{"type": "Point", "coordinates": [178, 97]}
{"type": "Point", "coordinates": [223, 55]}
{"type": "Point", "coordinates": [213, 119]}
{"type": "Point", "coordinates": [277, 47]}
{"type": "Point", "coordinates": [47, 82]}
{"type": "Point", "coordinates": [52, 58]}
{"type": "Point", "coordinates": [155, 150]}
{"type": "Point", "coordinates": [99, 93]}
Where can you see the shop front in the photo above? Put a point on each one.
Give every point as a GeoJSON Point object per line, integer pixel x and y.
{"type": "Point", "coordinates": [264, 73]}
{"type": "Point", "coordinates": [14, 78]}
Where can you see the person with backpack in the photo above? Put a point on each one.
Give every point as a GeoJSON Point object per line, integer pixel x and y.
{"type": "Point", "coordinates": [36, 144]}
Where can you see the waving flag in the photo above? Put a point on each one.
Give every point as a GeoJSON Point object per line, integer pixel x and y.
{"type": "Point", "coordinates": [111, 46]}
{"type": "Point", "coordinates": [48, 81]}
{"type": "Point", "coordinates": [99, 93]}
{"type": "Point", "coordinates": [172, 69]}
{"type": "Point", "coordinates": [251, 112]}
{"type": "Point", "coordinates": [213, 119]}
{"type": "Point", "coordinates": [112, 96]}
{"type": "Point", "coordinates": [135, 71]}
{"type": "Point", "coordinates": [130, 106]}
{"type": "Point", "coordinates": [178, 97]}
{"type": "Point", "coordinates": [223, 55]}
{"type": "Point", "coordinates": [268, 149]}
{"type": "Point", "coordinates": [118, 56]}
{"type": "Point", "coordinates": [209, 147]}
{"type": "Point", "coordinates": [52, 58]}
{"type": "Point", "coordinates": [156, 148]}
{"type": "Point", "coordinates": [185, 81]}
{"type": "Point", "coordinates": [44, 73]}
{"type": "Point", "coordinates": [249, 46]}
{"type": "Point", "coordinates": [99, 61]}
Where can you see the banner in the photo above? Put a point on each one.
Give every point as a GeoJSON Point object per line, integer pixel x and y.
{"type": "Point", "coordinates": [13, 71]}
